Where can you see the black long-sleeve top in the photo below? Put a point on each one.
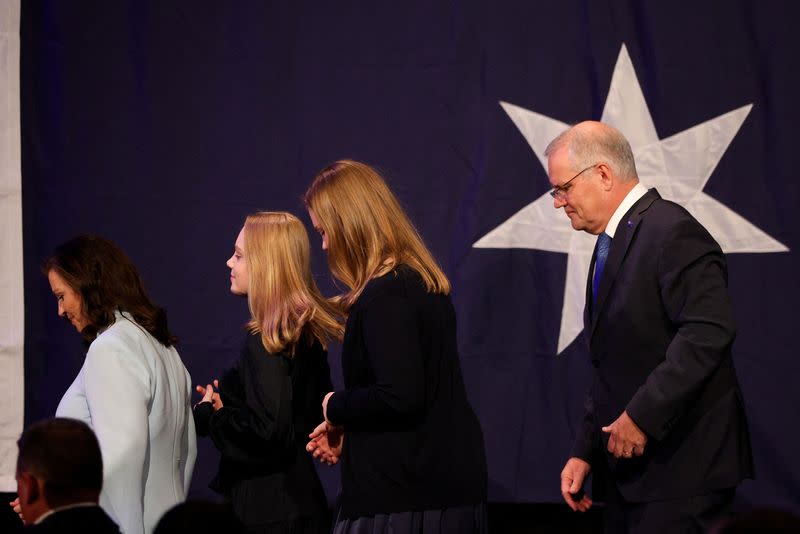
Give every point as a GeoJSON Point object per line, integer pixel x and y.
{"type": "Point", "coordinates": [271, 402]}
{"type": "Point", "coordinates": [412, 441]}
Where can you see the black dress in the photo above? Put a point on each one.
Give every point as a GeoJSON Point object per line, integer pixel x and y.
{"type": "Point", "coordinates": [412, 441]}
{"type": "Point", "coordinates": [271, 402]}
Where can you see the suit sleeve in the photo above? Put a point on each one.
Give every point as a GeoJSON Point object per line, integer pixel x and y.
{"type": "Point", "coordinates": [586, 438]}
{"type": "Point", "coordinates": [247, 429]}
{"type": "Point", "coordinates": [117, 384]}
{"type": "Point", "coordinates": [694, 294]}
{"type": "Point", "coordinates": [394, 352]}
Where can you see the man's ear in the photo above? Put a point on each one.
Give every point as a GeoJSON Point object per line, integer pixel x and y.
{"type": "Point", "coordinates": [29, 488]}
{"type": "Point", "coordinates": [606, 176]}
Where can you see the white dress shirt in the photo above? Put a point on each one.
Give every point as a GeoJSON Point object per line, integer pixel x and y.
{"type": "Point", "coordinates": [630, 199]}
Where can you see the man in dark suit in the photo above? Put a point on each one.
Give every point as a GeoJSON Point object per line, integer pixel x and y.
{"type": "Point", "coordinates": [59, 478]}
{"type": "Point", "coordinates": [664, 424]}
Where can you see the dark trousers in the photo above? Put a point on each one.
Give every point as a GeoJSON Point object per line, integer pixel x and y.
{"type": "Point", "coordinates": [686, 515]}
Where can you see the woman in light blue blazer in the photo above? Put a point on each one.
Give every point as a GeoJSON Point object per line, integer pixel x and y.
{"type": "Point", "coordinates": [133, 389]}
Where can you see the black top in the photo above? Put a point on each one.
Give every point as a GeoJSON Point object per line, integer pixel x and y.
{"type": "Point", "coordinates": [412, 441]}
{"type": "Point", "coordinates": [271, 402]}
{"type": "Point", "coordinates": [80, 519]}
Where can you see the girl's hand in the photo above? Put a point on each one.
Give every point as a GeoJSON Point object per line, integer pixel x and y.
{"type": "Point", "coordinates": [209, 395]}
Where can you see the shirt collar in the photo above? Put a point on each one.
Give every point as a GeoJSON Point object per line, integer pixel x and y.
{"type": "Point", "coordinates": [630, 199]}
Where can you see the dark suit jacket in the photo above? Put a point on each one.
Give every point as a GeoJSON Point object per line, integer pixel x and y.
{"type": "Point", "coordinates": [660, 336]}
{"type": "Point", "coordinates": [83, 519]}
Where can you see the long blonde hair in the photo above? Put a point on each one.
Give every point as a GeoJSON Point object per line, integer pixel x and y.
{"type": "Point", "coordinates": [284, 301]}
{"type": "Point", "coordinates": [368, 232]}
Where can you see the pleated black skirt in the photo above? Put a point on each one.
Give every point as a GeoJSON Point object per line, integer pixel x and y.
{"type": "Point", "coordinates": [465, 519]}
{"type": "Point", "coordinates": [302, 525]}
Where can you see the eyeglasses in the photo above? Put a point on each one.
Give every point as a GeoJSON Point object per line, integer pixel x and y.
{"type": "Point", "coordinates": [560, 191]}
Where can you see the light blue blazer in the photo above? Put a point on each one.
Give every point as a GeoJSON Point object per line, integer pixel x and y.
{"type": "Point", "coordinates": [136, 395]}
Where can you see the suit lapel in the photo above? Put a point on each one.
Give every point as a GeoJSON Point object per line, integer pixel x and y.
{"type": "Point", "coordinates": [616, 255]}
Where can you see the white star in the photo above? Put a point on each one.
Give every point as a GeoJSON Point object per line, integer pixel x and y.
{"type": "Point", "coordinates": [678, 166]}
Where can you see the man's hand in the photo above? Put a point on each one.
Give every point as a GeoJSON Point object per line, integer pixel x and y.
{"type": "Point", "coordinates": [625, 439]}
{"type": "Point", "coordinates": [572, 477]}
{"type": "Point", "coordinates": [17, 508]}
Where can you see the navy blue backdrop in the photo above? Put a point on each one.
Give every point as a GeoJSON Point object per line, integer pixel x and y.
{"type": "Point", "coordinates": [162, 124]}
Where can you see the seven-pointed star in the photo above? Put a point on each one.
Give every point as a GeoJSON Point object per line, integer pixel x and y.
{"type": "Point", "coordinates": [678, 166]}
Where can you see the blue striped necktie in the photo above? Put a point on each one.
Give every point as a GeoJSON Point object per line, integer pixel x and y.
{"type": "Point", "coordinates": [603, 244]}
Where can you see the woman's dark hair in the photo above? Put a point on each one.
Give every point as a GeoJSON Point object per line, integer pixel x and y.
{"type": "Point", "coordinates": [107, 281]}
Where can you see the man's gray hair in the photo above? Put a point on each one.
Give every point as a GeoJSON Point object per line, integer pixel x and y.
{"type": "Point", "coordinates": [590, 145]}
